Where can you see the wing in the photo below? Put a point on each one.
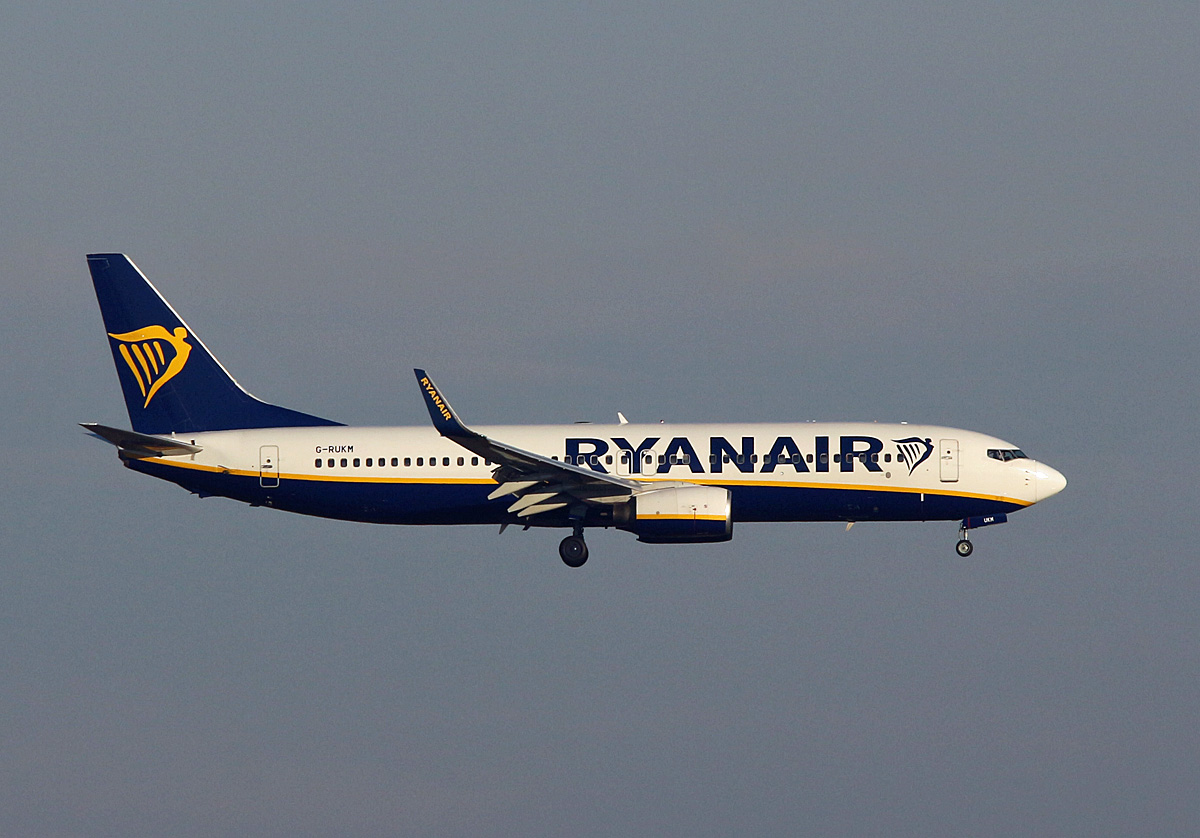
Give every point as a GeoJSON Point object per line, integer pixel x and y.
{"type": "Point", "coordinates": [539, 483]}
{"type": "Point", "coordinates": [140, 445]}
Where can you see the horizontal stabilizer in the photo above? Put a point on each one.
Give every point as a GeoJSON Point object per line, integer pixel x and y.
{"type": "Point", "coordinates": [143, 445]}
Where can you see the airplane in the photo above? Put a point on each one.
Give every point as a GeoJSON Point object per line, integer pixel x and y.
{"type": "Point", "coordinates": [194, 425]}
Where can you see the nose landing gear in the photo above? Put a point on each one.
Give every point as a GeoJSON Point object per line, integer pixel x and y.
{"type": "Point", "coordinates": [964, 546]}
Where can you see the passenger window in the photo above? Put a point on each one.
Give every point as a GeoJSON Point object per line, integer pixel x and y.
{"type": "Point", "coordinates": [395, 461]}
{"type": "Point", "coordinates": [356, 462]}
{"type": "Point", "coordinates": [370, 462]}
{"type": "Point", "coordinates": [461, 461]}
{"type": "Point", "coordinates": [420, 461]}
{"type": "Point", "coordinates": [887, 458]}
{"type": "Point", "coordinates": [407, 462]}
{"type": "Point", "coordinates": [318, 462]}
{"type": "Point", "coordinates": [474, 461]}
{"type": "Point", "coordinates": [825, 458]}
{"type": "Point", "coordinates": [344, 462]}
{"type": "Point", "coordinates": [608, 460]}
{"type": "Point", "coordinates": [329, 462]}
{"type": "Point", "coordinates": [837, 458]}
{"type": "Point", "coordinates": [810, 458]}
{"type": "Point", "coordinates": [445, 461]}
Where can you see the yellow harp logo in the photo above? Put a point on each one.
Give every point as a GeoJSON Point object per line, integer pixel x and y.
{"type": "Point", "coordinates": [154, 356]}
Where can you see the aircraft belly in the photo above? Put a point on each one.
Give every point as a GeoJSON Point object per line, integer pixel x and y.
{"type": "Point", "coordinates": [810, 503]}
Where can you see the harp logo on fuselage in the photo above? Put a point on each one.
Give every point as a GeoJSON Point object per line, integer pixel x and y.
{"type": "Point", "coordinates": [915, 450]}
{"type": "Point", "coordinates": [154, 356]}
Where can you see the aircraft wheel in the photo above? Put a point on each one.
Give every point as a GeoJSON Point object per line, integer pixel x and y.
{"type": "Point", "coordinates": [573, 550]}
{"type": "Point", "coordinates": [964, 548]}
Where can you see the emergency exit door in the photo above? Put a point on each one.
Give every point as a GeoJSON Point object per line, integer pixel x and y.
{"type": "Point", "coordinates": [948, 454]}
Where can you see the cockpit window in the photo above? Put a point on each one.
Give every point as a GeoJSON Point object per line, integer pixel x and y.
{"type": "Point", "coordinates": [1006, 454]}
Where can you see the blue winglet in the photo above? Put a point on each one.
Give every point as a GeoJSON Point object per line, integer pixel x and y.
{"type": "Point", "coordinates": [444, 418]}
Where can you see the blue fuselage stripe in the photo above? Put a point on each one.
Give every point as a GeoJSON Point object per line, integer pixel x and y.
{"type": "Point", "coordinates": [465, 502]}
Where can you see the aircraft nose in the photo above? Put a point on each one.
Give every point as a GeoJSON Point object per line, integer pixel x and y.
{"type": "Point", "coordinates": [1049, 481]}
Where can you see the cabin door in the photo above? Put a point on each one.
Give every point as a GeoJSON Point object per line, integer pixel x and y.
{"type": "Point", "coordinates": [268, 466]}
{"type": "Point", "coordinates": [948, 453]}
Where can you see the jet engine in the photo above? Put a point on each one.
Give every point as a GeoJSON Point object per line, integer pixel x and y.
{"type": "Point", "coordinates": [678, 515]}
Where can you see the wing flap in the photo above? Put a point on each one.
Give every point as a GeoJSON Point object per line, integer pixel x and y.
{"type": "Point", "coordinates": [514, 487]}
{"type": "Point", "coordinates": [529, 499]}
{"type": "Point", "coordinates": [539, 508]}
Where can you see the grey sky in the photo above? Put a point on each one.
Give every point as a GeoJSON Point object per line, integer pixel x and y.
{"type": "Point", "coordinates": [982, 215]}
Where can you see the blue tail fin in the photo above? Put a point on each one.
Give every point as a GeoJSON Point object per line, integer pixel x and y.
{"type": "Point", "coordinates": [172, 383]}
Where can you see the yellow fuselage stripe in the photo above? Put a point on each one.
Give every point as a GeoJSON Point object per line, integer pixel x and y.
{"type": "Point", "coordinates": [681, 517]}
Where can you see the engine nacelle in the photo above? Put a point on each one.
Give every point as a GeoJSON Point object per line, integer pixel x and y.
{"type": "Point", "coordinates": [680, 515]}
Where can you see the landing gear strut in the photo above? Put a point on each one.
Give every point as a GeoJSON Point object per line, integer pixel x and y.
{"type": "Point", "coordinates": [573, 549]}
{"type": "Point", "coordinates": [964, 546]}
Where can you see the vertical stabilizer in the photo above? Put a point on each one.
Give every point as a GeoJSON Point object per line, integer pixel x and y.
{"type": "Point", "coordinates": [171, 382]}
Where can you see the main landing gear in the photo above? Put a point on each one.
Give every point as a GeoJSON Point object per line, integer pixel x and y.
{"type": "Point", "coordinates": [573, 549]}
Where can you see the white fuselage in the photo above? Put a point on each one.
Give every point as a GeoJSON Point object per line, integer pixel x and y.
{"type": "Point", "coordinates": [774, 472]}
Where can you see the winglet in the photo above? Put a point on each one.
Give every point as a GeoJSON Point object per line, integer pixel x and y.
{"type": "Point", "coordinates": [445, 420]}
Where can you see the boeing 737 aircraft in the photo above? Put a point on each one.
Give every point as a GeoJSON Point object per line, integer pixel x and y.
{"type": "Point", "coordinates": [666, 483]}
